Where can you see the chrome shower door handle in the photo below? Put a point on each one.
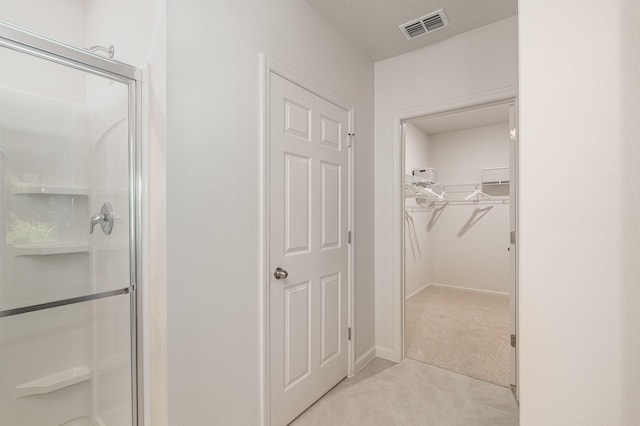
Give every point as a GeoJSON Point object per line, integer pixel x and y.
{"type": "Point", "coordinates": [280, 274]}
{"type": "Point", "coordinates": [104, 218]}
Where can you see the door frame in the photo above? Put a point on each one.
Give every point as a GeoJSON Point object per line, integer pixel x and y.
{"type": "Point", "coordinates": [268, 66]}
{"type": "Point", "coordinates": [501, 96]}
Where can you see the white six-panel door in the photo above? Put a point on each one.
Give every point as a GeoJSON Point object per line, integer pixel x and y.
{"type": "Point", "coordinates": [308, 226]}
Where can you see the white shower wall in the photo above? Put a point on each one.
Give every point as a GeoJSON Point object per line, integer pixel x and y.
{"type": "Point", "coordinates": [137, 30]}
{"type": "Point", "coordinates": [64, 128]}
{"type": "Point", "coordinates": [51, 142]}
{"type": "Point", "coordinates": [37, 120]}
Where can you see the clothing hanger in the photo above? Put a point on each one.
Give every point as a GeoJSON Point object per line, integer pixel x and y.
{"type": "Point", "coordinates": [478, 195]}
{"type": "Point", "coordinates": [431, 194]}
{"type": "Point", "coordinates": [411, 189]}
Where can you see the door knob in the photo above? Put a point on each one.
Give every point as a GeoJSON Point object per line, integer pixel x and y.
{"type": "Point", "coordinates": [280, 274]}
{"type": "Point", "coordinates": [104, 218]}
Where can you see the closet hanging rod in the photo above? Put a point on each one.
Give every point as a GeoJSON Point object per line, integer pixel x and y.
{"type": "Point", "coordinates": [498, 201]}
{"type": "Point", "coordinates": [454, 185]}
{"type": "Point", "coordinates": [461, 191]}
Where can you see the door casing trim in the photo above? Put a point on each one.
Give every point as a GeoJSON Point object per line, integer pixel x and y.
{"type": "Point", "coordinates": [504, 95]}
{"type": "Point", "coordinates": [268, 66]}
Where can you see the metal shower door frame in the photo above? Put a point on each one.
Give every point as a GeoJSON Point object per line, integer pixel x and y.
{"type": "Point", "coordinates": [40, 46]}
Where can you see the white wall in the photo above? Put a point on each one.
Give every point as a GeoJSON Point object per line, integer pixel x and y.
{"type": "Point", "coordinates": [214, 187]}
{"type": "Point", "coordinates": [468, 242]}
{"type": "Point", "coordinates": [416, 220]}
{"type": "Point", "coordinates": [579, 251]}
{"type": "Point", "coordinates": [473, 63]}
{"type": "Point", "coordinates": [63, 20]}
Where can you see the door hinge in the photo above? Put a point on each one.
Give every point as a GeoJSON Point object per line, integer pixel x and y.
{"type": "Point", "coordinates": [349, 333]}
{"type": "Point", "coordinates": [350, 139]}
{"type": "Point", "coordinates": [349, 237]}
{"type": "Point", "coordinates": [513, 135]}
{"type": "Point", "coordinates": [513, 340]}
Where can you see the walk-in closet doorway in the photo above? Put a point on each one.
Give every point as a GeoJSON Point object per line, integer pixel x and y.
{"type": "Point", "coordinates": [459, 210]}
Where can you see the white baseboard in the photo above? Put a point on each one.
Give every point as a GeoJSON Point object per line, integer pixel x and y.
{"type": "Point", "coordinates": [475, 290]}
{"type": "Point", "coordinates": [385, 353]}
{"type": "Point", "coordinates": [417, 291]}
{"type": "Point", "coordinates": [365, 359]}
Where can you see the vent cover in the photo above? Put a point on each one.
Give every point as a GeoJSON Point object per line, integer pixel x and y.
{"type": "Point", "coordinates": [424, 25]}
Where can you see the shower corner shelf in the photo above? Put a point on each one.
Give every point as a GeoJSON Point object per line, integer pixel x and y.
{"type": "Point", "coordinates": [48, 384]}
{"type": "Point", "coordinates": [47, 249]}
{"type": "Point", "coordinates": [34, 189]}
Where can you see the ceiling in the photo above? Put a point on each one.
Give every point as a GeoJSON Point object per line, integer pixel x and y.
{"type": "Point", "coordinates": [468, 119]}
{"type": "Point", "coordinates": [373, 24]}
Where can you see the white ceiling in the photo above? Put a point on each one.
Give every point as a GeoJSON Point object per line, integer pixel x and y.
{"type": "Point", "coordinates": [373, 24]}
{"type": "Point", "coordinates": [468, 119]}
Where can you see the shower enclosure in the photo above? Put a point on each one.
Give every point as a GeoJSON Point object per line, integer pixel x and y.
{"type": "Point", "coordinates": [70, 188]}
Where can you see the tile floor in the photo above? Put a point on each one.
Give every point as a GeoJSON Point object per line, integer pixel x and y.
{"type": "Point", "coordinates": [411, 394]}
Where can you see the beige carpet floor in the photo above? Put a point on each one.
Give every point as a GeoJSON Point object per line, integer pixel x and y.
{"type": "Point", "coordinates": [461, 331]}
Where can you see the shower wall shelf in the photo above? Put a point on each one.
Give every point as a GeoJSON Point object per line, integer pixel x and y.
{"type": "Point", "coordinates": [54, 382]}
{"type": "Point", "coordinates": [48, 249]}
{"type": "Point", "coordinates": [34, 189]}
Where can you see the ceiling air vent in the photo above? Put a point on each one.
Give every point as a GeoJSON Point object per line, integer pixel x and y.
{"type": "Point", "coordinates": [424, 25]}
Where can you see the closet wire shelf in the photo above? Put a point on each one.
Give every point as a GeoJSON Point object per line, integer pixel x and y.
{"type": "Point", "coordinates": [438, 193]}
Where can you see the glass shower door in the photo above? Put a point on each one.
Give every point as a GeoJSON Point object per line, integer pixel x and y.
{"type": "Point", "coordinates": [67, 242]}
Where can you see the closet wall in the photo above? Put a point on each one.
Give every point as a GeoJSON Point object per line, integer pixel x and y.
{"type": "Point", "coordinates": [461, 245]}
{"type": "Point", "coordinates": [469, 241]}
{"type": "Point", "coordinates": [417, 217]}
